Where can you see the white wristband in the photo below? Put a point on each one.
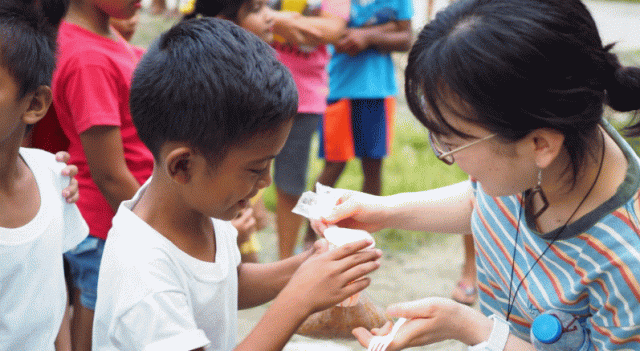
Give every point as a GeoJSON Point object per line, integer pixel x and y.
{"type": "Point", "coordinates": [498, 337]}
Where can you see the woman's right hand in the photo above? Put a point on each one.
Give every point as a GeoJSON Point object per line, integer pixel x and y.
{"type": "Point", "coordinates": [355, 210]}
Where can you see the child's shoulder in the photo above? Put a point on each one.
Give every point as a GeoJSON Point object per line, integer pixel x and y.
{"type": "Point", "coordinates": [41, 159]}
{"type": "Point", "coordinates": [78, 45]}
{"type": "Point", "coordinates": [45, 168]}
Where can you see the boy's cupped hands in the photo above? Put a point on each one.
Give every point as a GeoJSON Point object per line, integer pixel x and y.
{"type": "Point", "coordinates": [330, 276]}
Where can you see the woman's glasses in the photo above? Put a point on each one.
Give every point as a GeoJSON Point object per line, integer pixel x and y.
{"type": "Point", "coordinates": [444, 154]}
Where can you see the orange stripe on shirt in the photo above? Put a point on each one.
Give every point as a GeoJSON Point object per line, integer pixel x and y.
{"type": "Point", "coordinates": [614, 339]}
{"type": "Point", "coordinates": [555, 282]}
{"type": "Point", "coordinates": [624, 269]}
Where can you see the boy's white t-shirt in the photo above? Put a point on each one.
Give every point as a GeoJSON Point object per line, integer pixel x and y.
{"type": "Point", "coordinates": [33, 294]}
{"type": "Point", "coordinates": [153, 296]}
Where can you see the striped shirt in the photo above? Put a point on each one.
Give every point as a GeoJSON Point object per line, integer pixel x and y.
{"type": "Point", "coordinates": [592, 271]}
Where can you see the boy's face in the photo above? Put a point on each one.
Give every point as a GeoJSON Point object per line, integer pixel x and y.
{"type": "Point", "coordinates": [11, 108]}
{"type": "Point", "coordinates": [223, 191]}
{"type": "Point", "coordinates": [258, 18]}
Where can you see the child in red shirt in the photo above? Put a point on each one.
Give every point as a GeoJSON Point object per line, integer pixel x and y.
{"type": "Point", "coordinates": [91, 96]}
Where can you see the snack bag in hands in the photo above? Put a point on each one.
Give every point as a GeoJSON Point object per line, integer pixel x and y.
{"type": "Point", "coordinates": [338, 322]}
{"type": "Point", "coordinates": [356, 311]}
{"type": "Point", "coordinates": [319, 204]}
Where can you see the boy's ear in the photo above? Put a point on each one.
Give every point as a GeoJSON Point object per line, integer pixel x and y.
{"type": "Point", "coordinates": [38, 105]}
{"type": "Point", "coordinates": [179, 164]}
{"type": "Point", "coordinates": [547, 145]}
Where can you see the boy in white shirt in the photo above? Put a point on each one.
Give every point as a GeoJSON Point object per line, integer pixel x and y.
{"type": "Point", "coordinates": [37, 225]}
{"type": "Point", "coordinates": [214, 106]}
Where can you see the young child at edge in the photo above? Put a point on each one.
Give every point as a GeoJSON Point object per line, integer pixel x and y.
{"type": "Point", "coordinates": [513, 92]}
{"type": "Point", "coordinates": [171, 277]}
{"type": "Point", "coordinates": [37, 225]}
{"type": "Point", "coordinates": [91, 97]}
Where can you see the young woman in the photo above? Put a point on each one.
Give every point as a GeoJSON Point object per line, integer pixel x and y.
{"type": "Point", "coordinates": [512, 91]}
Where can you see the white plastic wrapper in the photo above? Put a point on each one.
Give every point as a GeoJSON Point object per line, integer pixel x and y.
{"type": "Point", "coordinates": [314, 205]}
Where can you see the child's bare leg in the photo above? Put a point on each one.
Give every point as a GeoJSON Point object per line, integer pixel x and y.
{"type": "Point", "coordinates": [81, 325]}
{"type": "Point", "coordinates": [372, 170]}
{"type": "Point", "coordinates": [288, 223]}
{"type": "Point", "coordinates": [465, 290]}
{"type": "Point", "coordinates": [63, 340]}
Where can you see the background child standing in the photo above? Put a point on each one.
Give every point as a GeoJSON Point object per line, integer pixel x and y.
{"type": "Point", "coordinates": [171, 276]}
{"type": "Point", "coordinates": [359, 118]}
{"type": "Point", "coordinates": [37, 225]}
{"type": "Point", "coordinates": [303, 49]}
{"type": "Point", "coordinates": [91, 96]}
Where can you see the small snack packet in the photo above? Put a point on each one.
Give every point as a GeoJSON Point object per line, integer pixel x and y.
{"type": "Point", "coordinates": [319, 204]}
{"type": "Point", "coordinates": [314, 205]}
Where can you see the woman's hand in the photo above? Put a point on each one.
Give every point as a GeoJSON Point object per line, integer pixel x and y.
{"type": "Point", "coordinates": [431, 320]}
{"type": "Point", "coordinates": [70, 193]}
{"type": "Point", "coordinates": [355, 210]}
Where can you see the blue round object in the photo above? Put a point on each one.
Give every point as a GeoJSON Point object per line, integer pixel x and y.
{"type": "Point", "coordinates": [546, 328]}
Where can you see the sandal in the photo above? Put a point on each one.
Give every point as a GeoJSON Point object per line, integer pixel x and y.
{"type": "Point", "coordinates": [464, 293]}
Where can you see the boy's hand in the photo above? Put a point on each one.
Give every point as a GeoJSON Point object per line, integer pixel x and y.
{"type": "Point", "coordinates": [245, 223]}
{"type": "Point", "coordinates": [328, 277]}
{"type": "Point", "coordinates": [70, 193]}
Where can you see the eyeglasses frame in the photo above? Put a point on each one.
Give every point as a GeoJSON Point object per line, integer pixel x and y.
{"type": "Point", "coordinates": [442, 156]}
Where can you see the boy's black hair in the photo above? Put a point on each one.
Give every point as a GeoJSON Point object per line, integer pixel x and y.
{"type": "Point", "coordinates": [519, 65]}
{"type": "Point", "coordinates": [211, 84]}
{"type": "Point", "coordinates": [212, 8]}
{"type": "Point", "coordinates": [28, 40]}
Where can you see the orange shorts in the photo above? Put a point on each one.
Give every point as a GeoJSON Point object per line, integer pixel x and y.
{"type": "Point", "coordinates": [357, 128]}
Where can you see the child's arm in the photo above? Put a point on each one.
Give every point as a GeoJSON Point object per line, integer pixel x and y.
{"type": "Point", "coordinates": [105, 157]}
{"type": "Point", "coordinates": [388, 37]}
{"type": "Point", "coordinates": [310, 30]}
{"type": "Point", "coordinates": [259, 283]}
{"type": "Point", "coordinates": [324, 279]}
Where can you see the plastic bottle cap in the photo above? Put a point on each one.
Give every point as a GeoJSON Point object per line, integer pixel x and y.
{"type": "Point", "coordinates": [546, 328]}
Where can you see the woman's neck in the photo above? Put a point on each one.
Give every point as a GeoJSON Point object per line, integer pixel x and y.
{"type": "Point", "coordinates": [599, 178]}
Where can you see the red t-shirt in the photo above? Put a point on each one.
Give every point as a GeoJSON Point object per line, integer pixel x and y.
{"type": "Point", "coordinates": [91, 86]}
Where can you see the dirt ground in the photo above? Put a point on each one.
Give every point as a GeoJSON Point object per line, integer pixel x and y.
{"type": "Point", "coordinates": [431, 271]}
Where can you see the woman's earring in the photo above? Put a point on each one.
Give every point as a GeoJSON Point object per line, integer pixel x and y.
{"type": "Point", "coordinates": [537, 190]}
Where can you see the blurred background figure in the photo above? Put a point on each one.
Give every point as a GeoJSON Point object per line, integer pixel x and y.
{"type": "Point", "coordinates": [362, 86]}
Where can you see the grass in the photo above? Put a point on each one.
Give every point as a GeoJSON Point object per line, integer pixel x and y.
{"type": "Point", "coordinates": [411, 166]}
